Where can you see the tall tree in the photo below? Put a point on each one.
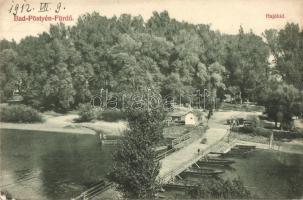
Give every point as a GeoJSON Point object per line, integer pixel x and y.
{"type": "Point", "coordinates": [135, 169]}
{"type": "Point", "coordinates": [287, 48]}
{"type": "Point", "coordinates": [9, 73]}
{"type": "Point", "coordinates": [58, 90]}
{"type": "Point", "coordinates": [247, 63]}
{"type": "Point", "coordinates": [282, 101]}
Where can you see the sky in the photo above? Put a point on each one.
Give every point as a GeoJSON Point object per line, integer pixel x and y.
{"type": "Point", "coordinates": [223, 15]}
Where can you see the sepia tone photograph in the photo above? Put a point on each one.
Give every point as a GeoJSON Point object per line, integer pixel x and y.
{"type": "Point", "coordinates": [151, 99]}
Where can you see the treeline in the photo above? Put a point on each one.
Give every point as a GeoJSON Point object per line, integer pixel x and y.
{"type": "Point", "coordinates": [66, 66]}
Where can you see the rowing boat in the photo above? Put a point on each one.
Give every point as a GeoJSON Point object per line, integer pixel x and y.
{"type": "Point", "coordinates": [203, 171]}
{"type": "Point", "coordinates": [215, 161]}
{"type": "Point", "coordinates": [245, 146]}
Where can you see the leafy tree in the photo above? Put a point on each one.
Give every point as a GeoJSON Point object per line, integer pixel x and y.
{"type": "Point", "coordinates": [81, 75]}
{"type": "Point", "coordinates": [5, 44]}
{"type": "Point", "coordinates": [8, 73]}
{"type": "Point", "coordinates": [86, 113]}
{"type": "Point", "coordinates": [247, 63]}
{"type": "Point", "coordinates": [147, 122]}
{"type": "Point", "coordinates": [216, 73]}
{"type": "Point", "coordinates": [125, 54]}
{"type": "Point", "coordinates": [58, 89]}
{"type": "Point", "coordinates": [286, 47]}
{"type": "Point", "coordinates": [135, 170]}
{"type": "Point", "coordinates": [282, 102]}
{"type": "Point", "coordinates": [159, 24]}
{"type": "Point", "coordinates": [215, 82]}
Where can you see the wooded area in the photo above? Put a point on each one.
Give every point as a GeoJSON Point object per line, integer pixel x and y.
{"type": "Point", "coordinates": [62, 68]}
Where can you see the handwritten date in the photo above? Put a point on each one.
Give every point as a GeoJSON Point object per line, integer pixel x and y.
{"type": "Point", "coordinates": [24, 7]}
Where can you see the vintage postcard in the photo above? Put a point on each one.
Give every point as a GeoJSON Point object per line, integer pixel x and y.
{"type": "Point", "coordinates": [151, 99]}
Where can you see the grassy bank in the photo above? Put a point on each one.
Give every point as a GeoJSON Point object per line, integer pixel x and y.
{"type": "Point", "coordinates": [242, 107]}
{"type": "Point", "coordinates": [250, 138]}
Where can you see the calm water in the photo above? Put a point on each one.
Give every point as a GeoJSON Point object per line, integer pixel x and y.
{"type": "Point", "coordinates": [60, 166]}
{"type": "Point", "coordinates": [38, 165]}
{"type": "Point", "coordinates": [271, 175]}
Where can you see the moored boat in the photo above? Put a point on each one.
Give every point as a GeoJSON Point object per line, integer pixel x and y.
{"type": "Point", "coordinates": [215, 161]}
{"type": "Point", "coordinates": [245, 146]}
{"type": "Point", "coordinates": [178, 186]}
{"type": "Point", "coordinates": [240, 151]}
{"type": "Point", "coordinates": [203, 171]}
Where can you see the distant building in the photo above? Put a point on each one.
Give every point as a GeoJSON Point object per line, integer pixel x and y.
{"type": "Point", "coordinates": [16, 98]}
{"type": "Point", "coordinates": [183, 117]}
{"type": "Point", "coordinates": [228, 98]}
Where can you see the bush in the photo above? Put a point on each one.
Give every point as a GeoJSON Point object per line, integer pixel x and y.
{"type": "Point", "coordinates": [111, 115]}
{"type": "Point", "coordinates": [86, 113]}
{"type": "Point", "coordinates": [219, 188]}
{"type": "Point", "coordinates": [264, 132]}
{"type": "Point", "coordinates": [242, 107]}
{"type": "Point", "coordinates": [204, 141]}
{"type": "Point", "coordinates": [251, 138]}
{"type": "Point", "coordinates": [244, 129]}
{"type": "Point", "coordinates": [287, 135]}
{"type": "Point", "coordinates": [256, 122]}
{"type": "Point", "coordinates": [19, 114]}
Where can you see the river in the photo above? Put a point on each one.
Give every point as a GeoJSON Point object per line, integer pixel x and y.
{"type": "Point", "coordinates": [270, 174]}
{"type": "Point", "coordinates": [37, 165]}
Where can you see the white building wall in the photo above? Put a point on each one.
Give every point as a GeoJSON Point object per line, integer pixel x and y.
{"type": "Point", "coordinates": [190, 119]}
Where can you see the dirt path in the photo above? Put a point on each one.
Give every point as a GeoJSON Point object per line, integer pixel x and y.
{"type": "Point", "coordinates": [65, 124]}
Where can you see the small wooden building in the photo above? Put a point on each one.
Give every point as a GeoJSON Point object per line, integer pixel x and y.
{"type": "Point", "coordinates": [182, 117]}
{"type": "Point", "coordinates": [16, 98]}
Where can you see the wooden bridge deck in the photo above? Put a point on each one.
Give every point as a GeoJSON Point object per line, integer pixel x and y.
{"type": "Point", "coordinates": [177, 162]}
{"type": "Point", "coordinates": [186, 157]}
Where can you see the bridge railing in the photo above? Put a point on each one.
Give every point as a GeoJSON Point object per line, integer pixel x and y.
{"type": "Point", "coordinates": [181, 139]}
{"type": "Point", "coordinates": [164, 154]}
{"type": "Point", "coordinates": [186, 164]}
{"type": "Point", "coordinates": [177, 143]}
{"type": "Point", "coordinates": [93, 191]}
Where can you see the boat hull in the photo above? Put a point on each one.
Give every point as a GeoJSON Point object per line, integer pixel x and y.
{"type": "Point", "coordinates": [216, 162]}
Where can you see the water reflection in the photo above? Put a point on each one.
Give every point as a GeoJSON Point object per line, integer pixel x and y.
{"type": "Point", "coordinates": [51, 165]}
{"type": "Point", "coordinates": [271, 174]}
{"type": "Point", "coordinates": [59, 166]}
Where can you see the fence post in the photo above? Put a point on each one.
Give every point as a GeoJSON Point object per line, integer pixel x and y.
{"type": "Point", "coordinates": [84, 196]}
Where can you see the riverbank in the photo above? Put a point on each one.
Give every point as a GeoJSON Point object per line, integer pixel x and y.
{"type": "Point", "coordinates": [286, 147]}
{"type": "Point", "coordinates": [261, 142]}
{"type": "Point", "coordinates": [65, 124]}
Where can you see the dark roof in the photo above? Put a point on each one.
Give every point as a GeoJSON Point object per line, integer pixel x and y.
{"type": "Point", "coordinates": [179, 113]}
